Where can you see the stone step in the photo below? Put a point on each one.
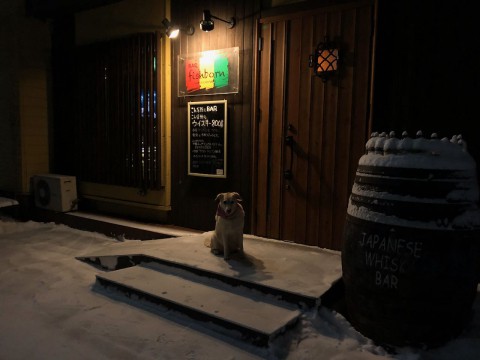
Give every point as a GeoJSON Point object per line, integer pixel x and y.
{"type": "Point", "coordinates": [258, 318]}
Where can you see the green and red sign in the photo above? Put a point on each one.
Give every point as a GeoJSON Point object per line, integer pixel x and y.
{"type": "Point", "coordinates": [208, 72]}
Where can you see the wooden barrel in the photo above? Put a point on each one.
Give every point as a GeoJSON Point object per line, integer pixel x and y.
{"type": "Point", "coordinates": [411, 259]}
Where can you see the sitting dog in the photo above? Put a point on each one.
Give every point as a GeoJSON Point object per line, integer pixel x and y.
{"type": "Point", "coordinates": [229, 218]}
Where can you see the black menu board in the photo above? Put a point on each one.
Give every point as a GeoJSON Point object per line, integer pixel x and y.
{"type": "Point", "coordinates": [207, 138]}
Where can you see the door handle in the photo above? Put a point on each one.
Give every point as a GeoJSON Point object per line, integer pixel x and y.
{"type": "Point", "coordinates": [288, 174]}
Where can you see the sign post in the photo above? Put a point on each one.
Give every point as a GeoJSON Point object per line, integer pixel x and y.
{"type": "Point", "coordinates": [207, 138]}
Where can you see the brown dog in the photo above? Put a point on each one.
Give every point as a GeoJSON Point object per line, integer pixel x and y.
{"type": "Point", "coordinates": [229, 220]}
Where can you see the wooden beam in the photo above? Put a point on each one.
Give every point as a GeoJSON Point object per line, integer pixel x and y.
{"type": "Point", "coordinates": [45, 9]}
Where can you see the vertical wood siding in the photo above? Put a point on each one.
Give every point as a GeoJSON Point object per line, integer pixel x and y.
{"type": "Point", "coordinates": [193, 197]}
{"type": "Point", "coordinates": [328, 121]}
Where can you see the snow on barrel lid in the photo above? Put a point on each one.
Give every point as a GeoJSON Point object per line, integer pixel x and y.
{"type": "Point", "coordinates": [419, 153]}
{"type": "Point", "coordinates": [387, 150]}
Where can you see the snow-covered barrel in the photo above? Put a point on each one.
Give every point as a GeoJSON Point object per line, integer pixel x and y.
{"type": "Point", "coordinates": [412, 237]}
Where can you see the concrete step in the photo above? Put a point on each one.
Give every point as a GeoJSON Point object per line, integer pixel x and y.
{"type": "Point", "coordinates": [258, 318]}
{"type": "Point", "coordinates": [116, 262]}
{"type": "Point", "coordinates": [303, 276]}
{"type": "Point", "coordinates": [102, 224]}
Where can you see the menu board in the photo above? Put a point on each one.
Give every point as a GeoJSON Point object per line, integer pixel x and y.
{"type": "Point", "coordinates": [207, 138]}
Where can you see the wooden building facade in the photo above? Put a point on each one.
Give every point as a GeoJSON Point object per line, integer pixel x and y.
{"type": "Point", "coordinates": [295, 191]}
{"type": "Point", "coordinates": [293, 140]}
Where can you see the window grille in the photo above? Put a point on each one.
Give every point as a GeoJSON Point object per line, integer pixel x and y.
{"type": "Point", "coordinates": [117, 126]}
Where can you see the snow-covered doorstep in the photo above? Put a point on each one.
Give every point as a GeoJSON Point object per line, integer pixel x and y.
{"type": "Point", "coordinates": [49, 311]}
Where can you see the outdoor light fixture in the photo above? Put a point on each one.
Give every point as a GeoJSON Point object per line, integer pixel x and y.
{"type": "Point", "coordinates": [207, 24]}
{"type": "Point", "coordinates": [325, 59]}
{"type": "Point", "coordinates": [172, 31]}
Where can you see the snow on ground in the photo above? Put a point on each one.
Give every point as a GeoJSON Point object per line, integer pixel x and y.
{"type": "Point", "coordinates": [50, 308]}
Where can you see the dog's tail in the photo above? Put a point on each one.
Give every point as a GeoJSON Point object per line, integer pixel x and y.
{"type": "Point", "coordinates": [208, 240]}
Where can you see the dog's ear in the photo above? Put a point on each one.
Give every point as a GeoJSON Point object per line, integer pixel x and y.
{"type": "Point", "coordinates": [219, 197]}
{"type": "Point", "coordinates": [237, 196]}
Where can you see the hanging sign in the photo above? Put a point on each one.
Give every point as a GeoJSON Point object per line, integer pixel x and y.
{"type": "Point", "coordinates": [208, 72]}
{"type": "Point", "coordinates": [207, 138]}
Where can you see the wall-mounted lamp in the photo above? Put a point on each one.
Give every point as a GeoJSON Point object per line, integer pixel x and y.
{"type": "Point", "coordinates": [207, 24]}
{"type": "Point", "coordinates": [325, 59]}
{"type": "Point", "coordinates": [172, 31]}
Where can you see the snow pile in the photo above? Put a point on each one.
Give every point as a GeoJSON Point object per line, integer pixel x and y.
{"type": "Point", "coordinates": [419, 153]}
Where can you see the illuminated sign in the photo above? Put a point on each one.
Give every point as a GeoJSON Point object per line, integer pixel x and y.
{"type": "Point", "coordinates": [208, 72]}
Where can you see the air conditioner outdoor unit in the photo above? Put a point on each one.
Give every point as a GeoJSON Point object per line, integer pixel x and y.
{"type": "Point", "coordinates": [55, 192]}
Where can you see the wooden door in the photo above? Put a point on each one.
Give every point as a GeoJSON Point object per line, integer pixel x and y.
{"type": "Point", "coordinates": [310, 134]}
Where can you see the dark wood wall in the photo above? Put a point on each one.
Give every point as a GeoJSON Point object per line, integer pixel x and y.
{"type": "Point", "coordinates": [63, 62]}
{"type": "Point", "coordinates": [193, 197]}
{"type": "Point", "coordinates": [426, 69]}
